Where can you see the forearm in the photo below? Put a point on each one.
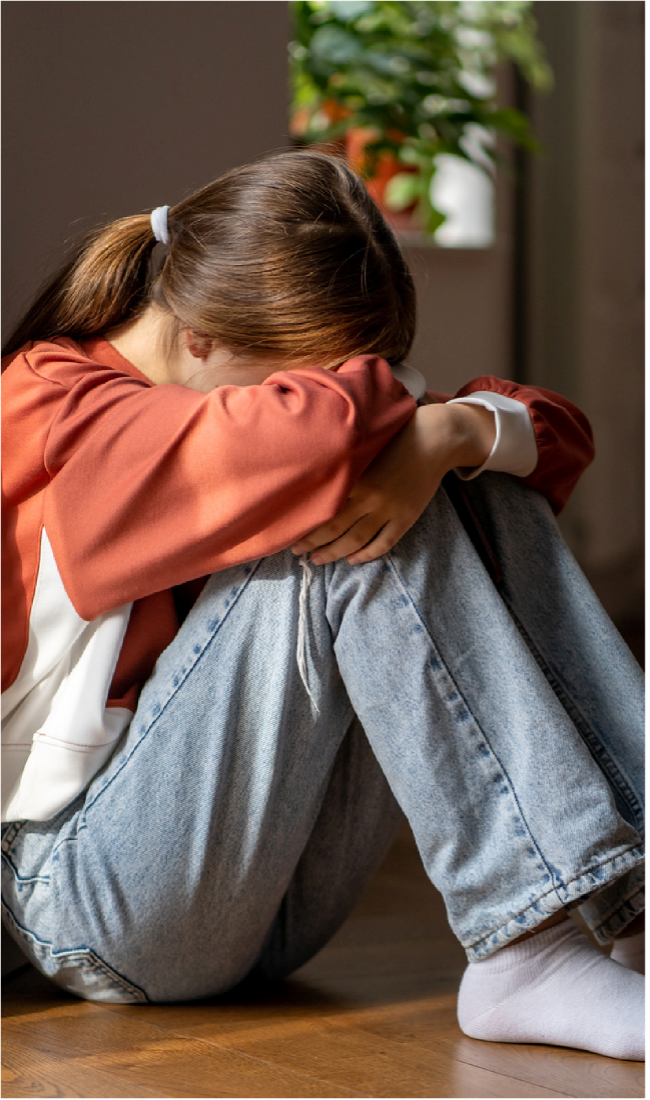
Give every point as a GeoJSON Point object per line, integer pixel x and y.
{"type": "Point", "coordinates": [150, 486]}
{"type": "Point", "coordinates": [457, 436]}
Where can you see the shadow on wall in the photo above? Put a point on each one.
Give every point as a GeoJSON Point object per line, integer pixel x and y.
{"type": "Point", "coordinates": [110, 109]}
{"type": "Point", "coordinates": [585, 277]}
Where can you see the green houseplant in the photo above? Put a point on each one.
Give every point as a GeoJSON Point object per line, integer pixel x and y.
{"type": "Point", "coordinates": [399, 82]}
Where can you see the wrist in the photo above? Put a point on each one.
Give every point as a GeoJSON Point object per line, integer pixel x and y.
{"type": "Point", "coordinates": [473, 430]}
{"type": "Point", "coordinates": [463, 434]}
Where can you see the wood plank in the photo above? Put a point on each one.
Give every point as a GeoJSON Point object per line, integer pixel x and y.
{"type": "Point", "coordinates": [403, 1018]}
{"type": "Point", "coordinates": [148, 1057]}
{"type": "Point", "coordinates": [183, 1068]}
{"type": "Point", "coordinates": [417, 1018]}
{"type": "Point", "coordinates": [414, 1014]}
{"type": "Point", "coordinates": [417, 954]}
{"type": "Point", "coordinates": [583, 1074]}
{"type": "Point", "coordinates": [26, 1072]}
{"type": "Point", "coordinates": [572, 1072]}
{"type": "Point", "coordinates": [343, 1055]}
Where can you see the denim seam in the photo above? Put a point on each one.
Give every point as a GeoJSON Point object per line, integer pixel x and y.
{"type": "Point", "coordinates": [607, 764]}
{"type": "Point", "coordinates": [576, 878]}
{"type": "Point", "coordinates": [589, 736]}
{"type": "Point", "coordinates": [23, 880]}
{"type": "Point", "coordinates": [522, 817]}
{"type": "Point", "coordinates": [589, 871]}
{"type": "Point", "coordinates": [198, 653]}
{"type": "Point", "coordinates": [9, 837]}
{"type": "Point", "coordinates": [88, 953]}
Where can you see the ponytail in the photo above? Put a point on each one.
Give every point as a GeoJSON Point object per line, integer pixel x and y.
{"type": "Point", "coordinates": [103, 284]}
{"type": "Point", "coordinates": [287, 256]}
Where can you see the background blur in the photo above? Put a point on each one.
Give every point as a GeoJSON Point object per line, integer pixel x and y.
{"type": "Point", "coordinates": [112, 108]}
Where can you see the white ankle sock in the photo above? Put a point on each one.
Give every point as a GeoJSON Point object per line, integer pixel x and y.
{"type": "Point", "coordinates": [557, 988]}
{"type": "Point", "coordinates": [630, 951]}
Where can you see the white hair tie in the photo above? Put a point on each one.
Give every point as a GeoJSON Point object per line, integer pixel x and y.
{"type": "Point", "coordinates": [159, 224]}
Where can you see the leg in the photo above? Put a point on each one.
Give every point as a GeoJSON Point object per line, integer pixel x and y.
{"type": "Point", "coordinates": [358, 820]}
{"type": "Point", "coordinates": [615, 735]}
{"type": "Point", "coordinates": [474, 741]}
{"type": "Point", "coordinates": [464, 725]}
{"type": "Point", "coordinates": [555, 987]}
{"type": "Point", "coordinates": [584, 659]}
{"type": "Point", "coordinates": [163, 880]}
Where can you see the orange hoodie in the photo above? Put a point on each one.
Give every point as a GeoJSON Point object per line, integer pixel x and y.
{"type": "Point", "coordinates": [120, 496]}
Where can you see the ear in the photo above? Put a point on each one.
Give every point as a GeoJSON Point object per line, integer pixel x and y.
{"type": "Point", "coordinates": [197, 344]}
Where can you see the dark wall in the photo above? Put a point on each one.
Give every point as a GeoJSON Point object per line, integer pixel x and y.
{"type": "Point", "coordinates": [112, 108]}
{"type": "Point", "coordinates": [585, 256]}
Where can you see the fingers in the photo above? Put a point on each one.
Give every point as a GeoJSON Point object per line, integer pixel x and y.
{"type": "Point", "coordinates": [367, 539]}
{"type": "Point", "coordinates": [327, 533]}
{"type": "Point", "coordinates": [359, 547]}
{"type": "Point", "coordinates": [384, 541]}
{"type": "Point", "coordinates": [362, 533]}
{"type": "Point", "coordinates": [371, 522]}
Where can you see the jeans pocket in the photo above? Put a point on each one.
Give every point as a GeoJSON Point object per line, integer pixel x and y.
{"type": "Point", "coordinates": [82, 972]}
{"type": "Point", "coordinates": [78, 970]}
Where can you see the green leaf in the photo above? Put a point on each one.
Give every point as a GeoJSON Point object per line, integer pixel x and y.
{"type": "Point", "coordinates": [335, 45]}
{"type": "Point", "coordinates": [434, 220]}
{"type": "Point", "coordinates": [348, 10]}
{"type": "Point", "coordinates": [402, 190]}
{"type": "Point", "coordinates": [419, 71]}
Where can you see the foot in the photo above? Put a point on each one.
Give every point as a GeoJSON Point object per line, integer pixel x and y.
{"type": "Point", "coordinates": [555, 988]}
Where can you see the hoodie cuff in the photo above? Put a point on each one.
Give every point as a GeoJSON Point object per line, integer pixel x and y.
{"type": "Point", "coordinates": [515, 447]}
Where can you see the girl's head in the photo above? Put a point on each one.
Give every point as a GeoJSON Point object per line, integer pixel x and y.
{"type": "Point", "coordinates": [286, 257]}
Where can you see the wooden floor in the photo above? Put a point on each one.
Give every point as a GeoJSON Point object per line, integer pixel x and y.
{"type": "Point", "coordinates": [372, 1015]}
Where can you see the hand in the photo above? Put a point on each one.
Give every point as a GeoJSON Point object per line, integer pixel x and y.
{"type": "Point", "coordinates": [396, 488]}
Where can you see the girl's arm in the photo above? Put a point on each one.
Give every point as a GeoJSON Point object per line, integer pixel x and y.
{"type": "Point", "coordinates": [140, 488]}
{"type": "Point", "coordinates": [476, 431]}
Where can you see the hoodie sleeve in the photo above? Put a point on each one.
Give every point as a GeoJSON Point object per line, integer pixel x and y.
{"type": "Point", "coordinates": [549, 450]}
{"type": "Point", "coordinates": [152, 486]}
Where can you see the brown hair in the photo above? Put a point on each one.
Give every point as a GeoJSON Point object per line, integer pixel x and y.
{"type": "Point", "coordinates": [288, 255]}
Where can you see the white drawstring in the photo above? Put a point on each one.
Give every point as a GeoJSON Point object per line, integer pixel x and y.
{"type": "Point", "coordinates": [301, 647]}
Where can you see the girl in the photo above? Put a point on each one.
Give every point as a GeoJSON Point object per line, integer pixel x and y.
{"type": "Point", "coordinates": [202, 775]}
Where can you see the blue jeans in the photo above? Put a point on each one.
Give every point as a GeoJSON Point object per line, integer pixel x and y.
{"type": "Point", "coordinates": [257, 787]}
